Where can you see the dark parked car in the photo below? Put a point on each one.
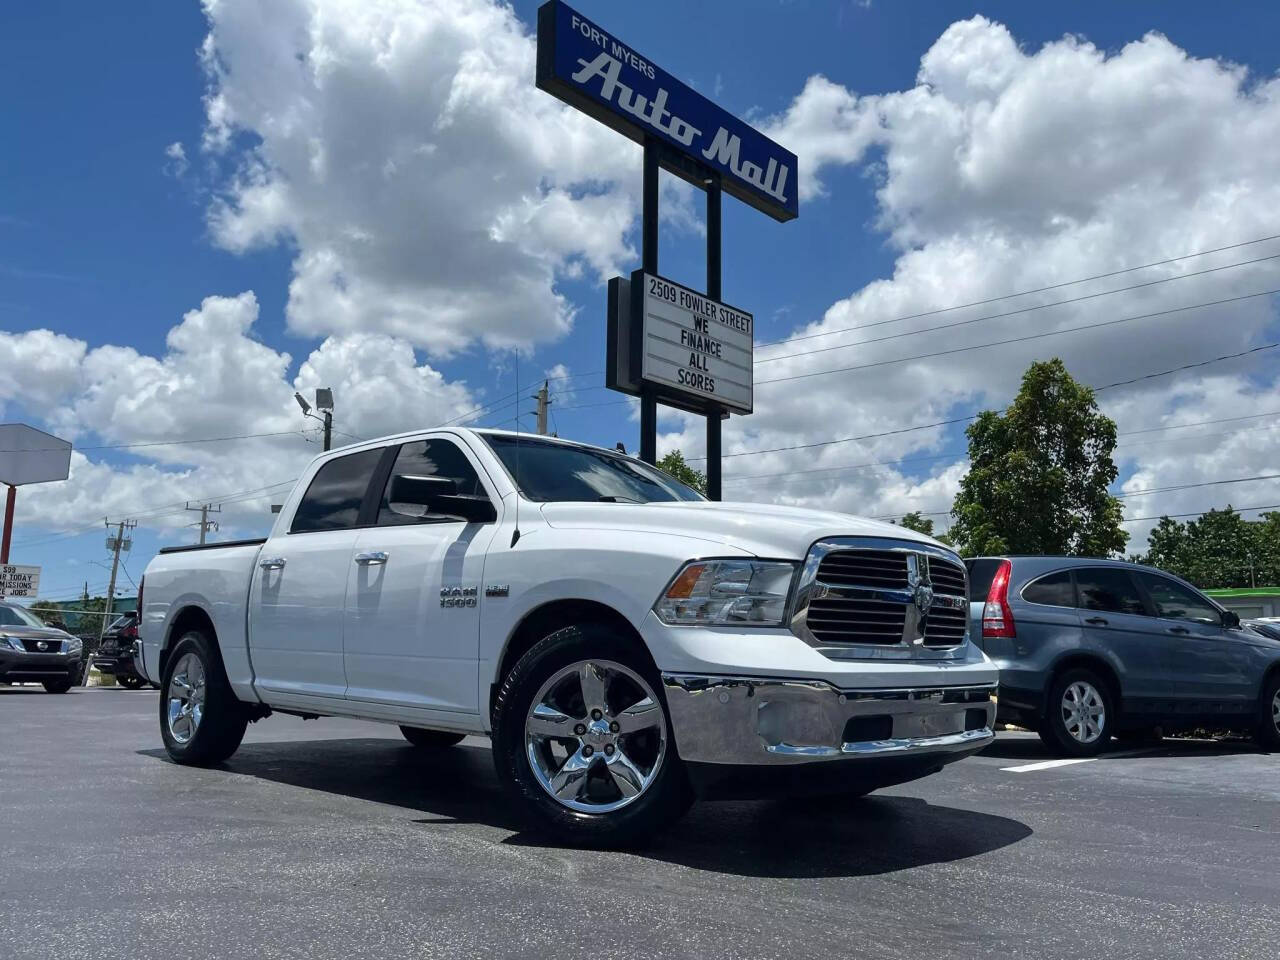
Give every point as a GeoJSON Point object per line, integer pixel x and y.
{"type": "Point", "coordinates": [33, 652]}
{"type": "Point", "coordinates": [1088, 649]}
{"type": "Point", "coordinates": [116, 653]}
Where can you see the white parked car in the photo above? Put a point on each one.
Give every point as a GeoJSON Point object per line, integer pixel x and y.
{"type": "Point", "coordinates": [625, 643]}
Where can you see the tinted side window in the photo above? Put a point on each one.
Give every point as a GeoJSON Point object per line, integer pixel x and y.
{"type": "Point", "coordinates": [429, 458]}
{"type": "Point", "coordinates": [1176, 601]}
{"type": "Point", "coordinates": [1110, 589]}
{"type": "Point", "coordinates": [1055, 590]}
{"type": "Point", "coordinates": [981, 572]}
{"type": "Point", "coordinates": [332, 501]}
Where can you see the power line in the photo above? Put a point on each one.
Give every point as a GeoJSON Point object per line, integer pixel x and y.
{"type": "Point", "coordinates": [1189, 486]}
{"type": "Point", "coordinates": [1011, 296]}
{"type": "Point", "coordinates": [943, 423]}
{"type": "Point", "coordinates": [1022, 339]}
{"type": "Point", "coordinates": [1179, 516]}
{"type": "Point", "coordinates": [963, 453]}
{"type": "Point", "coordinates": [1008, 313]}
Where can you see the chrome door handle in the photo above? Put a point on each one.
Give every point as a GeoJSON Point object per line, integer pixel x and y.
{"type": "Point", "coordinates": [372, 558]}
{"type": "Point", "coordinates": [272, 563]}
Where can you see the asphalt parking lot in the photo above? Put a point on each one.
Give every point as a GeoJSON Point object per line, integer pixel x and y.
{"type": "Point", "coordinates": [332, 838]}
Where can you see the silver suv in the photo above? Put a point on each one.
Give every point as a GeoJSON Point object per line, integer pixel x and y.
{"type": "Point", "coordinates": [1088, 649]}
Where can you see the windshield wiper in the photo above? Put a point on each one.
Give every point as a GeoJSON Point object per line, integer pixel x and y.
{"type": "Point", "coordinates": [617, 499]}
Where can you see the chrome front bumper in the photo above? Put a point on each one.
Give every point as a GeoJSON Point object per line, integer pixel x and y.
{"type": "Point", "coordinates": [771, 722]}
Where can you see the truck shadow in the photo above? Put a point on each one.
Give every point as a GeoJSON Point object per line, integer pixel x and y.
{"type": "Point", "coordinates": [796, 838]}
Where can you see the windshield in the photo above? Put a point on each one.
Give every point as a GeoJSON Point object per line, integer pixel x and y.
{"type": "Point", "coordinates": [17, 617]}
{"type": "Point", "coordinates": [551, 472]}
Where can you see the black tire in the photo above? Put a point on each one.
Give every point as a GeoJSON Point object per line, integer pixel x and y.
{"type": "Point", "coordinates": [1054, 729]}
{"type": "Point", "coordinates": [130, 683]}
{"type": "Point", "coordinates": [431, 739]}
{"type": "Point", "coordinates": [1268, 732]}
{"type": "Point", "coordinates": [223, 718]}
{"type": "Point", "coordinates": [666, 797]}
{"type": "Point", "coordinates": [58, 686]}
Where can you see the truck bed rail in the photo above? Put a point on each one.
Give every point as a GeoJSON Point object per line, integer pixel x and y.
{"type": "Point", "coordinates": [257, 542]}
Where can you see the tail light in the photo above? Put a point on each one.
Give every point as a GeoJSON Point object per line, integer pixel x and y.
{"type": "Point", "coordinates": [997, 618]}
{"type": "Point", "coordinates": [130, 631]}
{"type": "Point", "coordinates": [142, 583]}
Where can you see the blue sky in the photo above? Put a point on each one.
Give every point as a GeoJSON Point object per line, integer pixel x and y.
{"type": "Point", "coordinates": [102, 241]}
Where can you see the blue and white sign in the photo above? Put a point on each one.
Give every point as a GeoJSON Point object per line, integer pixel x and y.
{"type": "Point", "coordinates": [592, 70]}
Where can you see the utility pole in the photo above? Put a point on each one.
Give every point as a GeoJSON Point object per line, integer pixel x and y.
{"type": "Point", "coordinates": [115, 544]}
{"type": "Point", "coordinates": [328, 429]}
{"type": "Point", "coordinates": [543, 397]}
{"type": "Point", "coordinates": [205, 523]}
{"type": "Point", "coordinates": [324, 402]}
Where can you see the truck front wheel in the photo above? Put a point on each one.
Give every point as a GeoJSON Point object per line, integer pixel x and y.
{"type": "Point", "coordinates": [582, 740]}
{"type": "Point", "coordinates": [201, 721]}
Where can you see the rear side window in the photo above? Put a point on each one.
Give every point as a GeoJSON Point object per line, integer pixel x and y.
{"type": "Point", "coordinates": [1055, 590]}
{"type": "Point", "coordinates": [1177, 602]}
{"type": "Point", "coordinates": [429, 458]}
{"type": "Point", "coordinates": [1109, 588]}
{"type": "Point", "coordinates": [981, 572]}
{"type": "Point", "coordinates": [332, 501]}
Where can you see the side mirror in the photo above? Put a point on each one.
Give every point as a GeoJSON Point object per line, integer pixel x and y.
{"type": "Point", "coordinates": [1230, 618]}
{"type": "Point", "coordinates": [412, 496]}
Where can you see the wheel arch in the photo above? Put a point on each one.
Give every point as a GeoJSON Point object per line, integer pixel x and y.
{"type": "Point", "coordinates": [554, 615]}
{"type": "Point", "coordinates": [189, 617]}
{"type": "Point", "coordinates": [1088, 661]}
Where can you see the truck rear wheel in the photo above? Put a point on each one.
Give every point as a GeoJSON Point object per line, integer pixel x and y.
{"type": "Point", "coordinates": [201, 721]}
{"type": "Point", "coordinates": [431, 739]}
{"type": "Point", "coordinates": [583, 742]}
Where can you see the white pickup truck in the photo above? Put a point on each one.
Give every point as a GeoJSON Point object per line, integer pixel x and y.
{"type": "Point", "coordinates": [625, 643]}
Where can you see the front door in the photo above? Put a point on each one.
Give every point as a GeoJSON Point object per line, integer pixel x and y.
{"type": "Point", "coordinates": [1211, 671]}
{"type": "Point", "coordinates": [414, 588]}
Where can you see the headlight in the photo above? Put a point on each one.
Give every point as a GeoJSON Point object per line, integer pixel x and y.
{"type": "Point", "coordinates": [13, 643]}
{"type": "Point", "coordinates": [728, 592]}
{"type": "Point", "coordinates": [74, 645]}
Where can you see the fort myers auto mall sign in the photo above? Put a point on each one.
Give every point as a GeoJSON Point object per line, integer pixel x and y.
{"type": "Point", "coordinates": [596, 72]}
{"type": "Point", "coordinates": [667, 341]}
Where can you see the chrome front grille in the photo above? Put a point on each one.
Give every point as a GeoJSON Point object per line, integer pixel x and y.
{"type": "Point", "coordinates": [881, 593]}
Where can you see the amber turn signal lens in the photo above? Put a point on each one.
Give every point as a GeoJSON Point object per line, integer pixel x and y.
{"type": "Point", "coordinates": [682, 587]}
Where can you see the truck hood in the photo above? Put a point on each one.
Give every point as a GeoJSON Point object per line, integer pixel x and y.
{"type": "Point", "coordinates": [765, 530]}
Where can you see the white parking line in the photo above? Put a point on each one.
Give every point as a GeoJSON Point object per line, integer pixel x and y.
{"type": "Point", "coordinates": [1050, 764]}
{"type": "Point", "coordinates": [1047, 764]}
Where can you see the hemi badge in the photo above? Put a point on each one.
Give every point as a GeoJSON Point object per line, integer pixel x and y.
{"type": "Point", "coordinates": [497, 590]}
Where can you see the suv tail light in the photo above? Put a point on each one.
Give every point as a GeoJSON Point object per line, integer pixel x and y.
{"type": "Point", "coordinates": [997, 618]}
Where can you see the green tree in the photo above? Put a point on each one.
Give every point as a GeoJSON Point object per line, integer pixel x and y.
{"type": "Point", "coordinates": [674, 464]}
{"type": "Point", "coordinates": [1039, 473]}
{"type": "Point", "coordinates": [1219, 549]}
{"type": "Point", "coordinates": [915, 521]}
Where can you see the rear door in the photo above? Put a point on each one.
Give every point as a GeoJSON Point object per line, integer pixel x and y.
{"type": "Point", "coordinates": [1115, 618]}
{"type": "Point", "coordinates": [1211, 671]}
{"type": "Point", "coordinates": [415, 586]}
{"type": "Point", "coordinates": [298, 595]}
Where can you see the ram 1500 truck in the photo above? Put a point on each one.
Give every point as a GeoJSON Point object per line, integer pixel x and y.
{"type": "Point", "coordinates": [625, 643]}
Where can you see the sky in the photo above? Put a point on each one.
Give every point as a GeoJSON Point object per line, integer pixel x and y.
{"type": "Point", "coordinates": [204, 208]}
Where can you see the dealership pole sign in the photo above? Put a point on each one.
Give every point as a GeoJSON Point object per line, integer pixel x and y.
{"type": "Point", "coordinates": [667, 341]}
{"type": "Point", "coordinates": [593, 70]}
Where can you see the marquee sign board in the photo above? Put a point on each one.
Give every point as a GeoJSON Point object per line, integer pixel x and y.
{"type": "Point", "coordinates": [19, 581]}
{"type": "Point", "coordinates": [590, 69]}
{"type": "Point", "coordinates": [695, 352]}
{"type": "Point", "coordinates": [28, 455]}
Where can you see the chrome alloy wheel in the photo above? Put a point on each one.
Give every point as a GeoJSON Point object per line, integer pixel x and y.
{"type": "Point", "coordinates": [1275, 711]}
{"type": "Point", "coordinates": [1084, 713]}
{"type": "Point", "coordinates": [595, 736]}
{"type": "Point", "coordinates": [186, 698]}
